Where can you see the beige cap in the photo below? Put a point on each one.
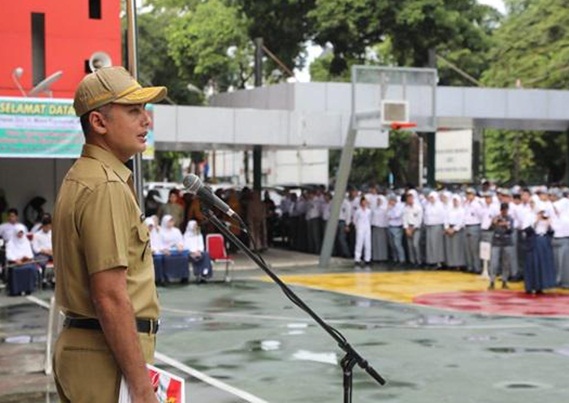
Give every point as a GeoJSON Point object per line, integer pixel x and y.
{"type": "Point", "coordinates": [113, 85]}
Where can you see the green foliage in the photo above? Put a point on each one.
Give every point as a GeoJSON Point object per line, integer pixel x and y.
{"type": "Point", "coordinates": [530, 47]}
{"type": "Point", "coordinates": [321, 67]}
{"type": "Point", "coordinates": [156, 67]}
{"type": "Point", "coordinates": [284, 26]}
{"type": "Point", "coordinates": [373, 166]}
{"type": "Point", "coordinates": [533, 46]}
{"type": "Point", "coordinates": [210, 43]}
{"type": "Point", "coordinates": [401, 32]}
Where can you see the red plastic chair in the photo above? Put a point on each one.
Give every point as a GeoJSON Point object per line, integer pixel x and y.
{"type": "Point", "coordinates": [215, 246]}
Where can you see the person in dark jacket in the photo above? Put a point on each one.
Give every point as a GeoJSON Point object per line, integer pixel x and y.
{"type": "Point", "coordinates": [502, 240]}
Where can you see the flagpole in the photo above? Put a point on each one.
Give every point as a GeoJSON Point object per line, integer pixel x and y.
{"type": "Point", "coordinates": [132, 57]}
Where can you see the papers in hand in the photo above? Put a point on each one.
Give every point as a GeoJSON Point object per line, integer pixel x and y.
{"type": "Point", "coordinates": [168, 387]}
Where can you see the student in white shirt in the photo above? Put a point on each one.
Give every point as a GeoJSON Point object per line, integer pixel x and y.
{"type": "Point", "coordinates": [560, 241]}
{"type": "Point", "coordinates": [362, 222]}
{"type": "Point", "coordinates": [395, 220]}
{"type": "Point", "coordinates": [540, 268]}
{"type": "Point", "coordinates": [412, 222]}
{"type": "Point", "coordinates": [8, 228]}
{"type": "Point", "coordinates": [454, 234]}
{"type": "Point", "coordinates": [379, 234]}
{"type": "Point", "coordinates": [171, 237]}
{"type": "Point", "coordinates": [41, 244]}
{"type": "Point", "coordinates": [472, 220]}
{"type": "Point", "coordinates": [434, 218]}
{"type": "Point", "coordinates": [41, 241]}
{"type": "Point", "coordinates": [19, 247]}
{"type": "Point", "coordinates": [155, 238]}
{"type": "Point", "coordinates": [344, 221]}
{"type": "Point", "coordinates": [199, 257]}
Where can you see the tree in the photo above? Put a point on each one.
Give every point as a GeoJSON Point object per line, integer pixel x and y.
{"type": "Point", "coordinates": [156, 67]}
{"type": "Point", "coordinates": [284, 26]}
{"type": "Point", "coordinates": [459, 30]}
{"type": "Point", "coordinates": [210, 43]}
{"type": "Point", "coordinates": [530, 49]}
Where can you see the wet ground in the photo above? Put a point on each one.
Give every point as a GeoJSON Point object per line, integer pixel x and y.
{"type": "Point", "coordinates": [249, 336]}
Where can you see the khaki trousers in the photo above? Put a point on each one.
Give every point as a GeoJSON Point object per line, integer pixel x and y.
{"type": "Point", "coordinates": [85, 370]}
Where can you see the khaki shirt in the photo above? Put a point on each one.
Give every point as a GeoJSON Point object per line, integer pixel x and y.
{"type": "Point", "coordinates": [97, 226]}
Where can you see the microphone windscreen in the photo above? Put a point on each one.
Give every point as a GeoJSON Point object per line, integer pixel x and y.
{"type": "Point", "coordinates": [192, 183]}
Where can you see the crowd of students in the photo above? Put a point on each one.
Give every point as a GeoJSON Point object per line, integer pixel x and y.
{"type": "Point", "coordinates": [167, 239]}
{"type": "Point", "coordinates": [259, 214]}
{"type": "Point", "coordinates": [25, 249]}
{"type": "Point", "coordinates": [527, 230]}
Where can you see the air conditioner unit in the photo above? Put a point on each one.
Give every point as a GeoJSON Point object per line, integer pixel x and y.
{"type": "Point", "coordinates": [393, 111]}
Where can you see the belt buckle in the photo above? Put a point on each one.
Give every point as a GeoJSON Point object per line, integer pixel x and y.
{"type": "Point", "coordinates": [154, 325]}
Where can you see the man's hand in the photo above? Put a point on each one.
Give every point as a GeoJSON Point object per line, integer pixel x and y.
{"type": "Point", "coordinates": [116, 316]}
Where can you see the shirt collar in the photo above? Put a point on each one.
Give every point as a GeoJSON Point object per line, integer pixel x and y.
{"type": "Point", "coordinates": [107, 158]}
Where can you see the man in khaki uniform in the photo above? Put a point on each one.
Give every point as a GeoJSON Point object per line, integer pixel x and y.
{"type": "Point", "coordinates": [105, 276]}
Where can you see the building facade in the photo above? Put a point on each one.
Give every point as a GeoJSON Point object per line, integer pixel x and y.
{"type": "Point", "coordinates": [41, 38]}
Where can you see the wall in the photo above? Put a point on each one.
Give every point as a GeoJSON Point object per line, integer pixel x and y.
{"type": "Point", "coordinates": [23, 179]}
{"type": "Point", "coordinates": [70, 39]}
{"type": "Point", "coordinates": [280, 167]}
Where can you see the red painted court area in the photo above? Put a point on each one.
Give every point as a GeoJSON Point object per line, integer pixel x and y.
{"type": "Point", "coordinates": [507, 303]}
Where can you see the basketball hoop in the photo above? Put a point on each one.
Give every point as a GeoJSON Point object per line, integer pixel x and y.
{"type": "Point", "coordinates": [402, 125]}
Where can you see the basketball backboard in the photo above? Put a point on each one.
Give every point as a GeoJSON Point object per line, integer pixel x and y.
{"type": "Point", "coordinates": [384, 95]}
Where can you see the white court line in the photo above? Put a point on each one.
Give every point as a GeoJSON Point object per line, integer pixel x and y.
{"type": "Point", "coordinates": [248, 397]}
{"type": "Point", "coordinates": [342, 322]}
{"type": "Point", "coordinates": [38, 301]}
{"type": "Point", "coordinates": [208, 379]}
{"type": "Point", "coordinates": [237, 315]}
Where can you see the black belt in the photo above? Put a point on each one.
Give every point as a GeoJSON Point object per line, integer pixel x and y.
{"type": "Point", "coordinates": [142, 325]}
{"type": "Point", "coordinates": [472, 225]}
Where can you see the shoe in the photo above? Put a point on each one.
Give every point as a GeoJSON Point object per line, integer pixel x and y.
{"type": "Point", "coordinates": [491, 286]}
{"type": "Point", "coordinates": [505, 285]}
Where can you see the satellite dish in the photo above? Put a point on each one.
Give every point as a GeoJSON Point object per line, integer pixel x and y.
{"type": "Point", "coordinates": [45, 84]}
{"type": "Point", "coordinates": [17, 72]}
{"type": "Point", "coordinates": [16, 75]}
{"type": "Point", "coordinates": [100, 59]}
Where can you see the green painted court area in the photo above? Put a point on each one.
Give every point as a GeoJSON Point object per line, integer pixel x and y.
{"type": "Point", "coordinates": [250, 336]}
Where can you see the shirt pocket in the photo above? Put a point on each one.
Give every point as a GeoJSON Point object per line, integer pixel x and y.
{"type": "Point", "coordinates": [143, 240]}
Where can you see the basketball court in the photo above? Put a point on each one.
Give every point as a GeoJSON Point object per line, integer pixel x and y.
{"type": "Point", "coordinates": [434, 336]}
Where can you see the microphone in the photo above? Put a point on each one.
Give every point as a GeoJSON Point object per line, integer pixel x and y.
{"type": "Point", "coordinates": [194, 185]}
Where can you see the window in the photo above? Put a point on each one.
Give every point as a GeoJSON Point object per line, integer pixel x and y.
{"type": "Point", "coordinates": [95, 9]}
{"type": "Point", "coordinates": [38, 47]}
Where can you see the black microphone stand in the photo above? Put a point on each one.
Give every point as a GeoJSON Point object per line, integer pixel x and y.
{"type": "Point", "coordinates": [351, 357]}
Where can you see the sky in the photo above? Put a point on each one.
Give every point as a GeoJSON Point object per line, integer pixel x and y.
{"type": "Point", "coordinates": [315, 51]}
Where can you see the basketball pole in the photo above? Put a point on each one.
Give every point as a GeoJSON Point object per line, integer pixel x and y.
{"type": "Point", "coordinates": [132, 58]}
{"type": "Point", "coordinates": [340, 186]}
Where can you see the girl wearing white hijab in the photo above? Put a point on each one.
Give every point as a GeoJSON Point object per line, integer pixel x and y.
{"type": "Point", "coordinates": [434, 218]}
{"type": "Point", "coordinates": [19, 247]}
{"type": "Point", "coordinates": [171, 236]}
{"type": "Point", "coordinates": [454, 234]}
{"type": "Point", "coordinates": [193, 241]}
{"type": "Point", "coordinates": [155, 238]}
